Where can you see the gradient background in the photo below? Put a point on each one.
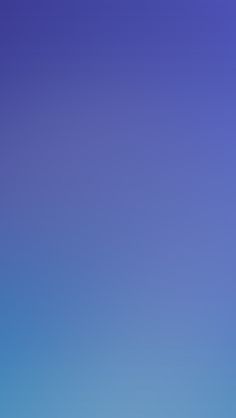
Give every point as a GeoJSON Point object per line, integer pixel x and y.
{"type": "Point", "coordinates": [118, 209]}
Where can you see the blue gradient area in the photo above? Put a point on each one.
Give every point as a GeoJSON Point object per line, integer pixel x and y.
{"type": "Point", "coordinates": [117, 214]}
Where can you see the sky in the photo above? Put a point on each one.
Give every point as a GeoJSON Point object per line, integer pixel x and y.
{"type": "Point", "coordinates": [117, 209]}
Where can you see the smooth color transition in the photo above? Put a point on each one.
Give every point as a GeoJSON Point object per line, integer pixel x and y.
{"type": "Point", "coordinates": [118, 209]}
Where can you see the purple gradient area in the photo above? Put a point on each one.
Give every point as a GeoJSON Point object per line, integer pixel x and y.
{"type": "Point", "coordinates": [117, 215]}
